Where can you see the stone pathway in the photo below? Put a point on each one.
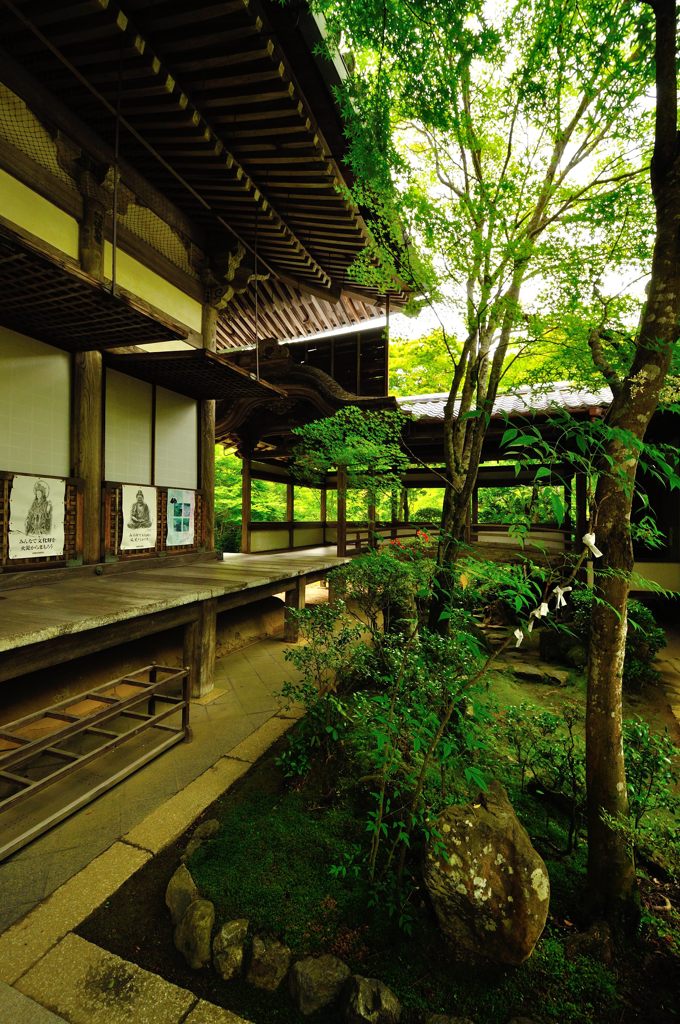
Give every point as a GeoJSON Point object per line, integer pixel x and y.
{"type": "Point", "coordinates": [48, 974]}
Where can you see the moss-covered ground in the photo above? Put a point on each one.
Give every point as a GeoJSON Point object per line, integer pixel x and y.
{"type": "Point", "coordinates": [271, 862]}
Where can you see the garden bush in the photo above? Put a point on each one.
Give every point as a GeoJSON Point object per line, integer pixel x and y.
{"type": "Point", "coordinates": [645, 638]}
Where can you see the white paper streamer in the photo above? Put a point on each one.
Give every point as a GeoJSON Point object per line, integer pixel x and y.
{"type": "Point", "coordinates": [520, 636]}
{"type": "Point", "coordinates": [589, 541]}
{"type": "Point", "coordinates": [559, 593]}
{"type": "Point", "coordinates": [543, 610]}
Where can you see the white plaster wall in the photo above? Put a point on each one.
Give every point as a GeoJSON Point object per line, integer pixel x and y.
{"type": "Point", "coordinates": [666, 574]}
{"type": "Point", "coordinates": [270, 539]}
{"type": "Point", "coordinates": [24, 207]}
{"type": "Point", "coordinates": [35, 399]}
{"type": "Point", "coordinates": [149, 285]}
{"type": "Point", "coordinates": [308, 535]}
{"type": "Point", "coordinates": [127, 424]}
{"type": "Point", "coordinates": [176, 440]}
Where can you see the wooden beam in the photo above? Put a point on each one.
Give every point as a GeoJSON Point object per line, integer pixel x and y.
{"type": "Point", "coordinates": [75, 645]}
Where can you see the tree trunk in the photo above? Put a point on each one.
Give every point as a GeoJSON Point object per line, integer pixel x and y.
{"type": "Point", "coordinates": [611, 879]}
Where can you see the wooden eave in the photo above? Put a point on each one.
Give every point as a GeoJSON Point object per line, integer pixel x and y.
{"type": "Point", "coordinates": [210, 90]}
{"type": "Point", "coordinates": [285, 313]}
{"type": "Point", "coordinates": [199, 374]}
{"type": "Point", "coordinates": [46, 295]}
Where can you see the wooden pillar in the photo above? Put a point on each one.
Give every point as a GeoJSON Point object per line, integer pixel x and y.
{"type": "Point", "coordinates": [581, 508]}
{"type": "Point", "coordinates": [342, 512]}
{"type": "Point", "coordinates": [394, 512]}
{"type": "Point", "coordinates": [199, 648]}
{"type": "Point", "coordinates": [95, 205]}
{"type": "Point", "coordinates": [567, 524]}
{"type": "Point", "coordinates": [406, 509]}
{"type": "Point", "coordinates": [245, 504]}
{"type": "Point", "coordinates": [290, 513]}
{"type": "Point", "coordinates": [295, 601]}
{"type": "Point", "coordinates": [372, 539]}
{"type": "Point", "coordinates": [88, 375]}
{"type": "Point", "coordinates": [87, 443]}
{"type": "Point", "coordinates": [323, 511]}
{"type": "Point", "coordinates": [207, 434]}
{"type": "Point", "coordinates": [475, 513]}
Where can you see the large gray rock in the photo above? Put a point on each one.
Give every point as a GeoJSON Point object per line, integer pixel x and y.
{"type": "Point", "coordinates": [316, 981]}
{"type": "Point", "coordinates": [194, 932]}
{"type": "Point", "coordinates": [181, 891]}
{"type": "Point", "coordinates": [490, 889]}
{"type": "Point", "coordinates": [269, 963]}
{"type": "Point", "coordinates": [370, 1002]}
{"type": "Point", "coordinates": [228, 948]}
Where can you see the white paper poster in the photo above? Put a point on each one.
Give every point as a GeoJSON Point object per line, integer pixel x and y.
{"type": "Point", "coordinates": [181, 506]}
{"type": "Point", "coordinates": [36, 517]}
{"type": "Point", "coordinates": [139, 517]}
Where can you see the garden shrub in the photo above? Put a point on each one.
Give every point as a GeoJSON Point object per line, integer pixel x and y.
{"type": "Point", "coordinates": [569, 639]}
{"type": "Point", "coordinates": [644, 639]}
{"type": "Point", "coordinates": [227, 535]}
{"type": "Point", "coordinates": [383, 588]}
{"type": "Point", "coordinates": [652, 776]}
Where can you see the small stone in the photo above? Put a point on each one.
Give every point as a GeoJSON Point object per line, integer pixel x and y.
{"type": "Point", "coordinates": [181, 891]}
{"type": "Point", "coordinates": [193, 933]}
{"type": "Point", "coordinates": [228, 948]}
{"type": "Point", "coordinates": [316, 981]}
{"type": "Point", "coordinates": [269, 963]}
{"type": "Point", "coordinates": [369, 1001]}
{"type": "Point", "coordinates": [596, 943]}
{"type": "Point", "coordinates": [204, 831]}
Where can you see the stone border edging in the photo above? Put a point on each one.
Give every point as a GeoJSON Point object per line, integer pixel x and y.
{"type": "Point", "coordinates": [26, 942]}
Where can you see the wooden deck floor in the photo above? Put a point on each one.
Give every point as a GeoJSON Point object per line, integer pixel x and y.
{"type": "Point", "coordinates": [44, 611]}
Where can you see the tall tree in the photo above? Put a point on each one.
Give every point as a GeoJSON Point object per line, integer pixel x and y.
{"type": "Point", "coordinates": [502, 137]}
{"type": "Point", "coordinates": [636, 397]}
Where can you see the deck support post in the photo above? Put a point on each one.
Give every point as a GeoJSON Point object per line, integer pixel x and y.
{"type": "Point", "coordinates": [295, 601]}
{"type": "Point", "coordinates": [200, 639]}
